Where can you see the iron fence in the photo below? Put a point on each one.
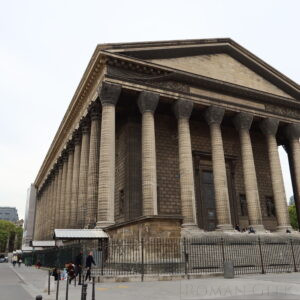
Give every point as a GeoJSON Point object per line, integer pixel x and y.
{"type": "Point", "coordinates": [190, 256]}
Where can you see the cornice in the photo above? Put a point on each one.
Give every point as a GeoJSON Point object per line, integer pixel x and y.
{"type": "Point", "coordinates": [91, 78]}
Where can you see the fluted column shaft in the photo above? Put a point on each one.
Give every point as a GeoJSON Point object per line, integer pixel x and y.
{"type": "Point", "coordinates": [45, 216]}
{"type": "Point", "coordinates": [69, 185]}
{"type": "Point", "coordinates": [58, 197]}
{"type": "Point", "coordinates": [243, 123]}
{"type": "Point", "coordinates": [84, 164]}
{"type": "Point", "coordinates": [109, 95]}
{"type": "Point", "coordinates": [54, 202]}
{"type": "Point", "coordinates": [183, 110]}
{"type": "Point", "coordinates": [269, 128]}
{"type": "Point", "coordinates": [92, 183]}
{"type": "Point", "coordinates": [214, 116]}
{"type": "Point", "coordinates": [147, 103]}
{"type": "Point", "coordinates": [293, 134]}
{"type": "Point", "coordinates": [63, 207]}
{"type": "Point", "coordinates": [75, 181]}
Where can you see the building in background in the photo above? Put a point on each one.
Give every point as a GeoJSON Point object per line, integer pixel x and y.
{"type": "Point", "coordinates": [29, 216]}
{"type": "Point", "coordinates": [9, 214]}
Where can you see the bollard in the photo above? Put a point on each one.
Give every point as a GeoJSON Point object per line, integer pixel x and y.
{"type": "Point", "coordinates": [39, 297]}
{"type": "Point", "coordinates": [57, 287]}
{"type": "Point", "coordinates": [67, 288]}
{"type": "Point", "coordinates": [228, 269]}
{"type": "Point", "coordinates": [84, 291]}
{"type": "Point", "coordinates": [93, 289]}
{"type": "Point", "coordinates": [49, 274]}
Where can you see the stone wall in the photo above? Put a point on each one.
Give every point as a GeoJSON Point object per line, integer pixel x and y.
{"type": "Point", "coordinates": [147, 227]}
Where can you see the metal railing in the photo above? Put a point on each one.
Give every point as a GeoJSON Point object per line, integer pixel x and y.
{"type": "Point", "coordinates": [190, 256]}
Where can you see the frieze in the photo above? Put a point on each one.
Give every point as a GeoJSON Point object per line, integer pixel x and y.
{"type": "Point", "coordinates": [158, 78]}
{"type": "Point", "coordinates": [283, 111]}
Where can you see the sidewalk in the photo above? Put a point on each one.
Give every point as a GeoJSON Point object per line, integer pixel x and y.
{"type": "Point", "coordinates": [269, 286]}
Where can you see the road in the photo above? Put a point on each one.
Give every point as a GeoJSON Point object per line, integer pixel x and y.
{"type": "Point", "coordinates": [11, 286]}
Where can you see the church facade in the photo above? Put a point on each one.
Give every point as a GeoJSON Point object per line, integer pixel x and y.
{"type": "Point", "coordinates": [170, 139]}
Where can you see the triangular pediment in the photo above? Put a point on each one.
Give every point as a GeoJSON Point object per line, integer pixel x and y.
{"type": "Point", "coordinates": [223, 67]}
{"type": "Point", "coordinates": [221, 60]}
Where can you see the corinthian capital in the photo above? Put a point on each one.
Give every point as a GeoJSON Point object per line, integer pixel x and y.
{"type": "Point", "coordinates": [243, 121]}
{"type": "Point", "coordinates": [148, 101]}
{"type": "Point", "coordinates": [214, 114]}
{"type": "Point", "coordinates": [183, 108]}
{"type": "Point", "coordinates": [109, 93]}
{"type": "Point", "coordinates": [292, 131]}
{"type": "Point", "coordinates": [269, 126]}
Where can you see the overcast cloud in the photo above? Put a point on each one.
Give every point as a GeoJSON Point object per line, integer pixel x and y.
{"type": "Point", "coordinates": [45, 47]}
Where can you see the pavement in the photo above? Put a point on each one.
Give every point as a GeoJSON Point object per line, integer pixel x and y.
{"type": "Point", "coordinates": [26, 283]}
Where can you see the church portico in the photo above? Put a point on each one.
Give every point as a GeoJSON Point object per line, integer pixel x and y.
{"type": "Point", "coordinates": [147, 156]}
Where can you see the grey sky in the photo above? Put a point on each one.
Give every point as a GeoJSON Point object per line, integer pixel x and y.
{"type": "Point", "coordinates": [46, 45]}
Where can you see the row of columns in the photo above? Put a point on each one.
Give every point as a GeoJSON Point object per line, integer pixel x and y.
{"type": "Point", "coordinates": [79, 192]}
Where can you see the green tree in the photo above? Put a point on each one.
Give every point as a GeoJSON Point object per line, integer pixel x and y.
{"type": "Point", "coordinates": [293, 217]}
{"type": "Point", "coordinates": [11, 231]}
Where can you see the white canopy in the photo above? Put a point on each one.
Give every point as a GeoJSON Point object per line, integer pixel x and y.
{"type": "Point", "coordinates": [43, 243]}
{"type": "Point", "coordinates": [79, 234]}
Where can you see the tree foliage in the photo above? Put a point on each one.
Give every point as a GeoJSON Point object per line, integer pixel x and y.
{"type": "Point", "coordinates": [293, 217]}
{"type": "Point", "coordinates": [9, 230]}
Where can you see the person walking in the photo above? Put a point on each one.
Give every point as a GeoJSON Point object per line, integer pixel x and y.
{"type": "Point", "coordinates": [78, 266]}
{"type": "Point", "coordinates": [14, 260]}
{"type": "Point", "coordinates": [19, 261]}
{"type": "Point", "coordinates": [88, 264]}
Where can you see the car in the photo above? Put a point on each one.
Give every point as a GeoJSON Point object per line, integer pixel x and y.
{"type": "Point", "coordinates": [2, 259]}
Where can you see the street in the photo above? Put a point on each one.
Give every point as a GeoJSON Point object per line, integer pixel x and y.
{"type": "Point", "coordinates": [11, 286]}
{"type": "Point", "coordinates": [26, 283]}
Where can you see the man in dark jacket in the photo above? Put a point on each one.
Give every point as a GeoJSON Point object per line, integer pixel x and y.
{"type": "Point", "coordinates": [78, 266]}
{"type": "Point", "coordinates": [88, 264]}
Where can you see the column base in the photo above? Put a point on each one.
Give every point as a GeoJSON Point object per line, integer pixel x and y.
{"type": "Point", "coordinates": [103, 224]}
{"type": "Point", "coordinates": [225, 228]}
{"type": "Point", "coordinates": [190, 230]}
{"type": "Point", "coordinates": [284, 229]}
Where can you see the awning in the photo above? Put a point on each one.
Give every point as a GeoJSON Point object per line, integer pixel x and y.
{"type": "Point", "coordinates": [79, 234]}
{"type": "Point", "coordinates": [43, 243]}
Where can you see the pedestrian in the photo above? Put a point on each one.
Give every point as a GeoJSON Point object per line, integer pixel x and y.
{"type": "Point", "coordinates": [19, 261]}
{"type": "Point", "coordinates": [38, 264]}
{"type": "Point", "coordinates": [14, 260]}
{"type": "Point", "coordinates": [78, 266]}
{"type": "Point", "coordinates": [56, 274]}
{"type": "Point", "coordinates": [88, 264]}
{"type": "Point", "coordinates": [237, 227]}
{"type": "Point", "coordinates": [71, 271]}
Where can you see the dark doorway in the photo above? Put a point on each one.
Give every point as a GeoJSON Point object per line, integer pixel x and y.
{"type": "Point", "coordinates": [206, 206]}
{"type": "Point", "coordinates": [208, 199]}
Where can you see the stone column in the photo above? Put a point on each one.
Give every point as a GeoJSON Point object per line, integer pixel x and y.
{"type": "Point", "coordinates": [45, 211]}
{"type": "Point", "coordinates": [242, 122]}
{"type": "Point", "coordinates": [54, 200]}
{"type": "Point", "coordinates": [70, 150]}
{"type": "Point", "coordinates": [109, 95]}
{"type": "Point", "coordinates": [75, 180]}
{"type": "Point", "coordinates": [147, 103]}
{"type": "Point", "coordinates": [269, 128]}
{"type": "Point", "coordinates": [37, 216]}
{"type": "Point", "coordinates": [58, 194]}
{"type": "Point", "coordinates": [62, 217]}
{"type": "Point", "coordinates": [92, 181]}
{"type": "Point", "coordinates": [84, 164]}
{"type": "Point", "coordinates": [183, 110]}
{"type": "Point", "coordinates": [292, 132]}
{"type": "Point", "coordinates": [214, 116]}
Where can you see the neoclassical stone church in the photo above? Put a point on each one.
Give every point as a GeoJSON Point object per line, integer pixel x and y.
{"type": "Point", "coordinates": [172, 138]}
